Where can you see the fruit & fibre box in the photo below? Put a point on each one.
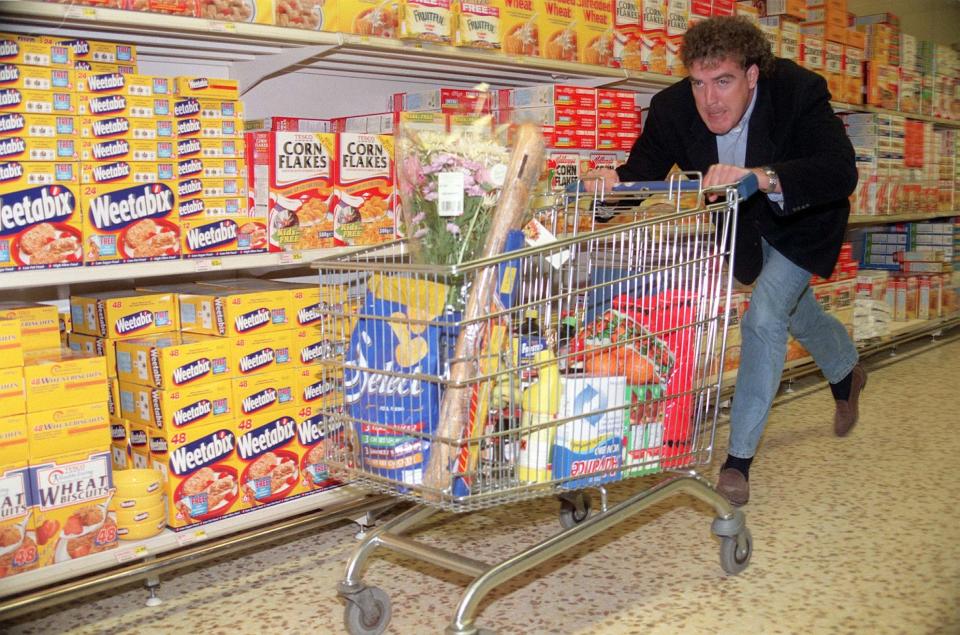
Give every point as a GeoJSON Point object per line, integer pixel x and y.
{"type": "Point", "coordinates": [426, 20]}
{"type": "Point", "coordinates": [68, 429]}
{"type": "Point", "coordinates": [206, 236]}
{"type": "Point", "coordinates": [302, 169]}
{"type": "Point", "coordinates": [18, 540]}
{"type": "Point", "coordinates": [71, 494]}
{"type": "Point", "coordinates": [11, 343]}
{"type": "Point", "coordinates": [13, 399]}
{"type": "Point", "coordinates": [101, 129]}
{"type": "Point", "coordinates": [477, 24]}
{"type": "Point", "coordinates": [269, 461]}
{"type": "Point", "coordinates": [102, 52]}
{"type": "Point", "coordinates": [96, 346]}
{"type": "Point", "coordinates": [64, 378]}
{"type": "Point", "coordinates": [124, 221]}
{"type": "Point", "coordinates": [201, 473]}
{"type": "Point", "coordinates": [124, 313]}
{"type": "Point", "coordinates": [264, 392]}
{"type": "Point", "coordinates": [363, 200]}
{"type": "Point", "coordinates": [36, 78]}
{"type": "Point", "coordinates": [39, 323]}
{"type": "Point", "coordinates": [177, 408]}
{"type": "Point", "coordinates": [173, 360]}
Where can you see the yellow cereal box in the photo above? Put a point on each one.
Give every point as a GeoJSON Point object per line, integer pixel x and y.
{"type": "Point", "coordinates": [176, 408]}
{"type": "Point", "coordinates": [113, 400]}
{"type": "Point", "coordinates": [40, 102]}
{"type": "Point", "coordinates": [34, 125]}
{"type": "Point", "coordinates": [123, 84]}
{"type": "Point", "coordinates": [202, 473]}
{"type": "Point", "coordinates": [302, 178]}
{"type": "Point", "coordinates": [191, 188]}
{"type": "Point", "coordinates": [200, 167]}
{"type": "Point", "coordinates": [314, 345]}
{"type": "Point", "coordinates": [64, 378]}
{"type": "Point", "coordinates": [205, 236]}
{"type": "Point", "coordinates": [16, 49]}
{"type": "Point", "coordinates": [428, 20]}
{"type": "Point", "coordinates": [264, 392]}
{"type": "Point", "coordinates": [36, 78]}
{"type": "Point", "coordinates": [71, 495]}
{"type": "Point", "coordinates": [13, 398]}
{"type": "Point", "coordinates": [103, 67]}
{"type": "Point", "coordinates": [139, 445]}
{"type": "Point", "coordinates": [120, 443]}
{"type": "Point", "coordinates": [19, 552]}
{"type": "Point", "coordinates": [207, 88]}
{"type": "Point", "coordinates": [314, 433]}
{"type": "Point", "coordinates": [96, 346]}
{"type": "Point", "coordinates": [319, 387]}
{"type": "Point", "coordinates": [126, 172]}
{"type": "Point", "coordinates": [213, 148]}
{"type": "Point", "coordinates": [595, 32]}
{"type": "Point", "coordinates": [127, 222]}
{"type": "Point", "coordinates": [193, 127]}
{"type": "Point", "coordinates": [367, 17]}
{"type": "Point", "coordinates": [64, 430]}
{"type": "Point", "coordinates": [193, 107]}
{"type": "Point", "coordinates": [269, 461]}
{"type": "Point", "coordinates": [173, 360]}
{"type": "Point", "coordinates": [313, 15]}
{"type": "Point", "coordinates": [310, 302]}
{"type": "Point", "coordinates": [228, 312]}
{"type": "Point", "coordinates": [16, 148]}
{"type": "Point", "coordinates": [520, 28]}
{"type": "Point", "coordinates": [102, 129]}
{"type": "Point", "coordinates": [261, 353]}
{"type": "Point", "coordinates": [102, 52]}
{"type": "Point", "coordinates": [38, 323]}
{"type": "Point", "coordinates": [11, 344]}
{"type": "Point", "coordinates": [124, 313]}
{"type": "Point", "coordinates": [111, 106]}
{"type": "Point", "coordinates": [477, 24]}
{"type": "Point", "coordinates": [121, 149]}
{"type": "Point", "coordinates": [16, 175]}
{"type": "Point", "coordinates": [215, 207]}
{"type": "Point", "coordinates": [558, 29]}
{"type": "Point", "coordinates": [362, 204]}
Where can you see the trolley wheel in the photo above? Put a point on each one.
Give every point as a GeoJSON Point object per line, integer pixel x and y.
{"type": "Point", "coordinates": [733, 557]}
{"type": "Point", "coordinates": [371, 621]}
{"type": "Point", "coordinates": [574, 509]}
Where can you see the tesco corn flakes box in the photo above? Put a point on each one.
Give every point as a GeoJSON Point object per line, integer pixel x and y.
{"type": "Point", "coordinates": [130, 222]}
{"type": "Point", "coordinates": [267, 453]}
{"type": "Point", "coordinates": [18, 540]}
{"type": "Point", "coordinates": [302, 179]}
{"type": "Point", "coordinates": [71, 494]}
{"type": "Point", "coordinates": [206, 236]}
{"type": "Point", "coordinates": [39, 323]}
{"type": "Point", "coordinates": [173, 360]}
{"type": "Point", "coordinates": [118, 314]}
{"type": "Point", "coordinates": [362, 204]}
{"type": "Point", "coordinates": [202, 473]}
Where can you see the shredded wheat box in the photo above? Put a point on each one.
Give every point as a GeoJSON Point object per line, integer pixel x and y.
{"type": "Point", "coordinates": [367, 17]}
{"type": "Point", "coordinates": [39, 323]}
{"type": "Point", "coordinates": [100, 129]}
{"type": "Point", "coordinates": [130, 222]}
{"type": "Point", "coordinates": [64, 378]}
{"type": "Point", "coordinates": [302, 179]}
{"type": "Point", "coordinates": [206, 236]}
{"type": "Point", "coordinates": [13, 398]}
{"type": "Point", "coordinates": [362, 203]}
{"type": "Point", "coordinates": [520, 28]}
{"type": "Point", "coordinates": [175, 409]}
{"type": "Point", "coordinates": [558, 29]}
{"type": "Point", "coordinates": [268, 455]}
{"type": "Point", "coordinates": [173, 360]}
{"type": "Point", "coordinates": [18, 547]}
{"type": "Point", "coordinates": [595, 31]}
{"type": "Point", "coordinates": [124, 313]}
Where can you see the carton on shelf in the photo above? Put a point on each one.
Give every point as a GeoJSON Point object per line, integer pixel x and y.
{"type": "Point", "coordinates": [99, 129]}
{"type": "Point", "coordinates": [314, 433]}
{"type": "Point", "coordinates": [127, 172]}
{"type": "Point", "coordinates": [207, 87]}
{"type": "Point", "coordinates": [558, 30]}
{"type": "Point", "coordinates": [120, 149]}
{"type": "Point", "coordinates": [16, 514]}
{"type": "Point", "coordinates": [264, 393]}
{"type": "Point", "coordinates": [268, 457]}
{"type": "Point", "coordinates": [16, 124]}
{"type": "Point", "coordinates": [477, 24]}
{"type": "Point", "coordinates": [64, 378]}
{"type": "Point", "coordinates": [11, 343]}
{"type": "Point", "coordinates": [18, 49]}
{"type": "Point", "coordinates": [13, 399]}
{"type": "Point", "coordinates": [205, 236]}
{"type": "Point", "coordinates": [363, 198]}
{"type": "Point", "coordinates": [261, 353]}
{"type": "Point", "coordinates": [171, 411]}
{"type": "Point", "coordinates": [426, 20]}
{"type": "Point", "coordinates": [66, 430]}
{"type": "Point", "coordinates": [96, 346]}
{"type": "Point", "coordinates": [36, 78]}
{"type": "Point", "coordinates": [173, 360]}
{"type": "Point", "coordinates": [102, 52]}
{"type": "Point", "coordinates": [39, 323]}
{"type": "Point", "coordinates": [89, 105]}
{"type": "Point", "coordinates": [256, 11]}
{"type": "Point", "coordinates": [367, 17]}
{"type": "Point", "coordinates": [123, 84]}
{"type": "Point", "coordinates": [119, 314]}
{"type": "Point", "coordinates": [520, 29]}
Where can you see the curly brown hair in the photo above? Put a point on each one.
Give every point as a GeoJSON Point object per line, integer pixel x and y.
{"type": "Point", "coordinates": [728, 37]}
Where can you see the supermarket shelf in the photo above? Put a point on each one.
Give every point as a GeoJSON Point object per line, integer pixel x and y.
{"type": "Point", "coordinates": [841, 107]}
{"type": "Point", "coordinates": [171, 550]}
{"type": "Point", "coordinates": [859, 219]}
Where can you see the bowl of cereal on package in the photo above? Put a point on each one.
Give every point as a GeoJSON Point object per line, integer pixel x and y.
{"type": "Point", "coordinates": [150, 238]}
{"type": "Point", "coordinates": [208, 493]}
{"type": "Point", "coordinates": [141, 483]}
{"type": "Point", "coordinates": [48, 244]}
{"type": "Point", "coordinates": [271, 476]}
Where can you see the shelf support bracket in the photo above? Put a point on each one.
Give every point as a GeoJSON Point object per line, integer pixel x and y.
{"type": "Point", "coordinates": [251, 73]}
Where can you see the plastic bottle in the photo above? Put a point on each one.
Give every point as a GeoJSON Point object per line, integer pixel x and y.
{"type": "Point", "coordinates": [540, 403]}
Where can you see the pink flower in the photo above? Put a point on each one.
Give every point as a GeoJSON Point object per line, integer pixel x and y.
{"type": "Point", "coordinates": [453, 228]}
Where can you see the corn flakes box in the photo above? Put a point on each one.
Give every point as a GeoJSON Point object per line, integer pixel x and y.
{"type": "Point", "coordinates": [202, 473]}
{"type": "Point", "coordinates": [90, 105]}
{"type": "Point", "coordinates": [31, 125]}
{"type": "Point", "coordinates": [124, 313]}
{"type": "Point", "coordinates": [362, 204]}
{"type": "Point", "coordinates": [41, 102]}
{"type": "Point", "coordinates": [190, 188]}
{"type": "Point", "coordinates": [173, 409]}
{"type": "Point", "coordinates": [63, 377]}
{"type": "Point", "coordinates": [302, 178]}
{"type": "Point", "coordinates": [207, 88]}
{"type": "Point", "coordinates": [19, 552]}
{"type": "Point", "coordinates": [11, 343]}
{"type": "Point", "coordinates": [520, 29]}
{"type": "Point", "coordinates": [268, 457]}
{"type": "Point", "coordinates": [129, 222]}
{"type": "Point", "coordinates": [212, 208]}
{"type": "Point", "coordinates": [477, 24]}
{"type": "Point", "coordinates": [13, 398]}
{"type": "Point", "coordinates": [102, 52]}
{"type": "Point", "coordinates": [367, 17]}
{"type": "Point", "coordinates": [38, 323]}
{"type": "Point", "coordinates": [173, 360]}
{"type": "Point", "coordinates": [71, 494]}
{"type": "Point", "coordinates": [264, 392]}
{"type": "Point", "coordinates": [314, 433]}
{"type": "Point", "coordinates": [261, 353]}
{"type": "Point", "coordinates": [205, 236]}
{"type": "Point", "coordinates": [127, 172]}
{"type": "Point", "coordinates": [123, 84]}
{"type": "Point", "coordinates": [96, 346]}
{"type": "Point", "coordinates": [36, 78]}
{"type": "Point", "coordinates": [595, 31]}
{"type": "Point", "coordinates": [67, 429]}
{"type": "Point", "coordinates": [558, 28]}
{"type": "Point", "coordinates": [17, 148]}
{"type": "Point", "coordinates": [212, 148]}
{"type": "Point", "coordinates": [100, 129]}
{"type": "Point", "coordinates": [138, 150]}
{"type": "Point", "coordinates": [17, 49]}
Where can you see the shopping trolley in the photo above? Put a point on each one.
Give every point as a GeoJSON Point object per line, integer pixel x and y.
{"type": "Point", "coordinates": [597, 358]}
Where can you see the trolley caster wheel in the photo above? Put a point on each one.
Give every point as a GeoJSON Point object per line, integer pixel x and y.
{"type": "Point", "coordinates": [734, 558]}
{"type": "Point", "coordinates": [367, 612]}
{"type": "Point", "coordinates": [574, 509]}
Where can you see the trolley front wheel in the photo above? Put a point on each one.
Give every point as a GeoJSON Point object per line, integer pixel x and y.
{"type": "Point", "coordinates": [367, 612]}
{"type": "Point", "coordinates": [735, 551]}
{"type": "Point", "coordinates": [574, 509]}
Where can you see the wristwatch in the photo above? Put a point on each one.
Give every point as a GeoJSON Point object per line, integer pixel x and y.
{"type": "Point", "coordinates": [772, 178]}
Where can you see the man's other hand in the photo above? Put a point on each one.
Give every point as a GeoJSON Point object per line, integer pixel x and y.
{"type": "Point", "coordinates": [608, 176]}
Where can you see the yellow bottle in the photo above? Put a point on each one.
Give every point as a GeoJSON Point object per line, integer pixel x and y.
{"type": "Point", "coordinates": [540, 403]}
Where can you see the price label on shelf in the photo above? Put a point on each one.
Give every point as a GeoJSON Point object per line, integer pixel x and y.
{"type": "Point", "coordinates": [81, 13]}
{"type": "Point", "coordinates": [222, 27]}
{"type": "Point", "coordinates": [291, 258]}
{"type": "Point", "coordinates": [188, 537]}
{"type": "Point", "coordinates": [210, 264]}
{"type": "Point", "coordinates": [140, 551]}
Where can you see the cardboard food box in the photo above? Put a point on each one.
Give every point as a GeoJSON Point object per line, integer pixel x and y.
{"type": "Point", "coordinates": [367, 17]}
{"type": "Point", "coordinates": [232, 313]}
{"type": "Point", "coordinates": [123, 84]}
{"type": "Point", "coordinates": [267, 450]}
{"type": "Point", "coordinates": [191, 188]}
{"type": "Point", "coordinates": [213, 148]}
{"type": "Point", "coordinates": [426, 20]}
{"type": "Point", "coordinates": [36, 78]}
{"type": "Point", "coordinates": [558, 29]}
{"type": "Point", "coordinates": [210, 167]}
{"type": "Point", "coordinates": [194, 107]}
{"type": "Point", "coordinates": [209, 128]}
{"type": "Point", "coordinates": [314, 433]}
{"type": "Point", "coordinates": [477, 25]}
{"type": "Point", "coordinates": [124, 313]}
{"type": "Point", "coordinates": [139, 151]}
{"type": "Point", "coordinates": [212, 208]}
{"type": "Point", "coordinates": [98, 129]}
{"type": "Point", "coordinates": [39, 323]}
{"type": "Point", "coordinates": [173, 410]}
{"type": "Point", "coordinates": [65, 430]}
{"type": "Point", "coordinates": [310, 302]}
{"type": "Point", "coordinates": [64, 378]}
{"type": "Point", "coordinates": [264, 392]}
{"type": "Point", "coordinates": [11, 343]}
{"type": "Point", "coordinates": [139, 446]}
{"type": "Point", "coordinates": [207, 87]}
{"type": "Point", "coordinates": [37, 125]}
{"type": "Point", "coordinates": [90, 105]}
{"type": "Point", "coordinates": [302, 178]}
{"type": "Point", "coordinates": [596, 32]}
{"type": "Point", "coordinates": [96, 346]}
{"type": "Point", "coordinates": [520, 28]}
{"type": "Point", "coordinates": [173, 360]}
{"type": "Point", "coordinates": [61, 148]}
{"type": "Point", "coordinates": [314, 346]}
{"type": "Point", "coordinates": [126, 172]}
{"type": "Point", "coordinates": [320, 387]}
{"type": "Point", "coordinates": [29, 51]}
{"type": "Point", "coordinates": [19, 552]}
{"type": "Point", "coordinates": [206, 236]}
{"type": "Point", "coordinates": [363, 198]}
{"type": "Point", "coordinates": [13, 399]}
{"type": "Point", "coordinates": [120, 448]}
{"type": "Point", "coordinates": [102, 52]}
{"type": "Point", "coordinates": [259, 353]}
{"type": "Point", "coordinates": [127, 222]}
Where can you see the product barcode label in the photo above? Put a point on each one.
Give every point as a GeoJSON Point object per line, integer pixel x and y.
{"type": "Point", "coordinates": [450, 194]}
{"type": "Point", "coordinates": [186, 538]}
{"type": "Point", "coordinates": [126, 555]}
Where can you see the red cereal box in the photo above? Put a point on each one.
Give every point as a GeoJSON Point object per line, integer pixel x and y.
{"type": "Point", "coordinates": [362, 203]}
{"type": "Point", "coordinates": [302, 178]}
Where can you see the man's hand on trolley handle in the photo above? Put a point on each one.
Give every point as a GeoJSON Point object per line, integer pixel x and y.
{"type": "Point", "coordinates": [719, 174]}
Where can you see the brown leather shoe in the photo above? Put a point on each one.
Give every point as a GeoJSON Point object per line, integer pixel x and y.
{"type": "Point", "coordinates": [733, 486]}
{"type": "Point", "coordinates": [848, 411]}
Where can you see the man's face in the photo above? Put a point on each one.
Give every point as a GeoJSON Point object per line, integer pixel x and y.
{"type": "Point", "coordinates": [722, 91]}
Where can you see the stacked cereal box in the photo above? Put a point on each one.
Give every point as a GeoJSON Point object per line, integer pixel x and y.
{"type": "Point", "coordinates": [103, 57]}
{"type": "Point", "coordinates": [477, 24]}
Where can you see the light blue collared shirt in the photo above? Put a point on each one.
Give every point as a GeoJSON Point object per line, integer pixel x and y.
{"type": "Point", "coordinates": [732, 146]}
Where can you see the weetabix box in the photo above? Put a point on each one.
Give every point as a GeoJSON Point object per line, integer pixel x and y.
{"type": "Point", "coordinates": [123, 84]}
{"type": "Point", "coordinates": [102, 52]}
{"type": "Point", "coordinates": [212, 207]}
{"type": "Point", "coordinates": [261, 353]}
{"type": "Point", "coordinates": [100, 129]}
{"type": "Point", "coordinates": [267, 450]}
{"type": "Point", "coordinates": [209, 128]}
{"type": "Point", "coordinates": [16, 148]}
{"type": "Point", "coordinates": [206, 236]}
{"type": "Point", "coordinates": [210, 168]}
{"type": "Point", "coordinates": [173, 410]}
{"type": "Point", "coordinates": [64, 378]}
{"type": "Point", "coordinates": [41, 102]}
{"type": "Point", "coordinates": [264, 392]}
{"type": "Point", "coordinates": [363, 202]}
{"type": "Point", "coordinates": [319, 387]}
{"type": "Point", "coordinates": [119, 314]}
{"type": "Point", "coordinates": [30, 125]}
{"type": "Point", "coordinates": [29, 51]}
{"type": "Point", "coordinates": [213, 148]}
{"type": "Point", "coordinates": [97, 346]}
{"type": "Point", "coordinates": [319, 345]}
{"type": "Point", "coordinates": [13, 397]}
{"type": "Point", "coordinates": [196, 108]}
{"type": "Point", "coordinates": [127, 222]}
{"type": "Point", "coordinates": [39, 323]}
{"type": "Point", "coordinates": [367, 17]}
{"type": "Point", "coordinates": [121, 149]}
{"type": "Point", "coordinates": [521, 33]}
{"type": "Point", "coordinates": [126, 172]}
{"type": "Point", "coordinates": [173, 360]}
{"type": "Point", "coordinates": [64, 430]}
{"type": "Point", "coordinates": [302, 178]}
{"type": "Point", "coordinates": [556, 21]}
{"type": "Point", "coordinates": [36, 78]}
{"type": "Point", "coordinates": [232, 312]}
{"type": "Point", "coordinates": [207, 87]}
{"type": "Point", "coordinates": [90, 105]}
{"type": "Point", "coordinates": [314, 433]}
{"type": "Point", "coordinates": [16, 514]}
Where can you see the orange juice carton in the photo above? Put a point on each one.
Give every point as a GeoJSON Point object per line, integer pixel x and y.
{"type": "Point", "coordinates": [90, 105]}
{"type": "Point", "coordinates": [64, 378]}
{"type": "Point", "coordinates": [234, 312]}
{"type": "Point", "coordinates": [11, 343]}
{"type": "Point", "coordinates": [39, 223]}
{"type": "Point", "coordinates": [314, 433]}
{"type": "Point", "coordinates": [29, 51]}
{"type": "Point", "coordinates": [173, 360]}
{"type": "Point", "coordinates": [38, 323]}
{"type": "Point", "coordinates": [102, 52]}
{"type": "Point", "coordinates": [595, 32]}
{"type": "Point", "coordinates": [427, 20]}
{"type": "Point", "coordinates": [264, 392]}
{"type": "Point", "coordinates": [124, 313]}
{"type": "Point", "coordinates": [71, 494]}
{"type": "Point", "coordinates": [319, 387]}
{"type": "Point", "coordinates": [558, 29]}
{"type": "Point", "coordinates": [123, 84]}
{"type": "Point", "coordinates": [13, 398]}
{"type": "Point", "coordinates": [120, 448]}
{"type": "Point", "coordinates": [126, 172]}
{"type": "Point", "coordinates": [96, 346]}
{"type": "Point", "coordinates": [201, 472]}
{"type": "Point", "coordinates": [212, 208]}
{"type": "Point", "coordinates": [176, 408]}
{"type": "Point", "coordinates": [100, 129]}
{"type": "Point", "coordinates": [207, 87]}
{"type": "Point", "coordinates": [269, 461]}
{"type": "Point", "coordinates": [18, 124]}
{"type": "Point", "coordinates": [18, 547]}
{"type": "Point", "coordinates": [362, 202]}
{"type": "Point", "coordinates": [367, 17]}
{"type": "Point", "coordinates": [302, 178]}
{"type": "Point", "coordinates": [139, 445]}
{"type": "Point", "coordinates": [256, 11]}
{"type": "Point", "coordinates": [60, 431]}
{"type": "Point", "coordinates": [43, 102]}
{"type": "Point", "coordinates": [36, 78]}
{"type": "Point", "coordinates": [206, 236]}
{"type": "Point", "coordinates": [259, 353]}
{"type": "Point", "coordinates": [477, 24]}
{"type": "Point", "coordinates": [520, 29]}
{"type": "Point", "coordinates": [127, 222]}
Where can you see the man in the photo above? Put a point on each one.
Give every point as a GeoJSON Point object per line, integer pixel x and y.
{"type": "Point", "coordinates": [741, 110]}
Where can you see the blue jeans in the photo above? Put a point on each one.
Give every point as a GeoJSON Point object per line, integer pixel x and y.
{"type": "Point", "coordinates": [782, 301]}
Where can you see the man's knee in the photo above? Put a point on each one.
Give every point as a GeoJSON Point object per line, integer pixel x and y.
{"type": "Point", "coordinates": [765, 315]}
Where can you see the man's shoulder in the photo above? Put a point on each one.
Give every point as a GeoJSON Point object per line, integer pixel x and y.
{"type": "Point", "coordinates": [788, 76]}
{"type": "Point", "coordinates": [673, 98]}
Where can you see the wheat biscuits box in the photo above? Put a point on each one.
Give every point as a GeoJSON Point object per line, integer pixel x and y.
{"type": "Point", "coordinates": [136, 150]}
{"type": "Point", "coordinates": [214, 148]}
{"type": "Point", "coordinates": [310, 303]}
{"type": "Point", "coordinates": [31, 125]}
{"type": "Point", "coordinates": [173, 360]}
{"type": "Point", "coordinates": [120, 448]}
{"type": "Point", "coordinates": [122, 84]}
{"type": "Point", "coordinates": [118, 314]}
{"type": "Point", "coordinates": [18, 540]}
{"type": "Point", "coordinates": [39, 224]}
{"type": "Point", "coordinates": [318, 436]}
{"type": "Point", "coordinates": [314, 345]}
{"type": "Point", "coordinates": [61, 431]}
{"type": "Point", "coordinates": [36, 78]}
{"type": "Point", "coordinates": [186, 107]}
{"type": "Point", "coordinates": [205, 236]}
{"type": "Point", "coordinates": [264, 392]}
{"type": "Point", "coordinates": [99, 129]}
{"type": "Point", "coordinates": [19, 49]}
{"type": "Point", "coordinates": [127, 172]}
{"type": "Point", "coordinates": [175, 409]}
{"type": "Point", "coordinates": [90, 105]}
{"type": "Point", "coordinates": [64, 378]}
{"type": "Point", "coordinates": [201, 473]}
{"type": "Point", "coordinates": [102, 52]}
{"type": "Point", "coordinates": [17, 175]}
{"type": "Point", "coordinates": [302, 178]}
{"type": "Point", "coordinates": [96, 346]}
{"type": "Point", "coordinates": [209, 128]}
{"type": "Point", "coordinates": [39, 323]}
{"type": "Point", "coordinates": [199, 187]}
{"type": "Point", "coordinates": [129, 222]}
{"type": "Point", "coordinates": [320, 387]}
{"type": "Point", "coordinates": [268, 457]}
{"type": "Point", "coordinates": [210, 168]}
{"type": "Point", "coordinates": [71, 494]}
{"type": "Point", "coordinates": [11, 343]}
{"type": "Point", "coordinates": [363, 199]}
{"type": "Point", "coordinates": [13, 398]}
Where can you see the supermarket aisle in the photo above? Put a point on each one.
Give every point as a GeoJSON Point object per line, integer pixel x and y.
{"type": "Point", "coordinates": [860, 535]}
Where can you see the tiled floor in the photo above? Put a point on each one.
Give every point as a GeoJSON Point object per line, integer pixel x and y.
{"type": "Point", "coordinates": [856, 535]}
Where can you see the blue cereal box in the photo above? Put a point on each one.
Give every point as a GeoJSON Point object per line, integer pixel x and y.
{"type": "Point", "coordinates": [591, 446]}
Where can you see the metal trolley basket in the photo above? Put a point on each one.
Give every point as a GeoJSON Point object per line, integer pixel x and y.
{"type": "Point", "coordinates": [599, 359]}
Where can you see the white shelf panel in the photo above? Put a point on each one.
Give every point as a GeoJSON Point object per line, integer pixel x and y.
{"type": "Point", "coordinates": [859, 219]}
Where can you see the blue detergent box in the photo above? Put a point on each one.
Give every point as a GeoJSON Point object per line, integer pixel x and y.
{"type": "Point", "coordinates": [590, 447]}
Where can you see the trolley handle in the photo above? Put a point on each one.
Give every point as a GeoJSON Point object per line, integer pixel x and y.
{"type": "Point", "coordinates": [746, 187]}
